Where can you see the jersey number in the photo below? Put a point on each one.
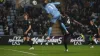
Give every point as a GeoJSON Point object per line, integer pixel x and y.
{"type": "Point", "coordinates": [52, 6]}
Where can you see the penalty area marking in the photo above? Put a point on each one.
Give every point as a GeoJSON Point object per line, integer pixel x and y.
{"type": "Point", "coordinates": [19, 51]}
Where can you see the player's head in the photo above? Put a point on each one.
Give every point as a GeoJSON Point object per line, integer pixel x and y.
{"type": "Point", "coordinates": [91, 22]}
{"type": "Point", "coordinates": [26, 15]}
{"type": "Point", "coordinates": [44, 2]}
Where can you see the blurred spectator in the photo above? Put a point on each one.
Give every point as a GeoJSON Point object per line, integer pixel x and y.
{"type": "Point", "coordinates": [79, 10]}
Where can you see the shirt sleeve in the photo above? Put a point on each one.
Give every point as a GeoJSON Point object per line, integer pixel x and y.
{"type": "Point", "coordinates": [46, 9]}
{"type": "Point", "coordinates": [29, 22]}
{"type": "Point", "coordinates": [56, 3]}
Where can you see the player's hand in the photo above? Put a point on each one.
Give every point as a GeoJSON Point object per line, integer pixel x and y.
{"type": "Point", "coordinates": [25, 33]}
{"type": "Point", "coordinates": [67, 32]}
{"type": "Point", "coordinates": [95, 34]}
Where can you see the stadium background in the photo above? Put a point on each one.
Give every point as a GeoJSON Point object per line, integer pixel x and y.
{"type": "Point", "coordinates": [12, 16]}
{"type": "Point", "coordinates": [11, 32]}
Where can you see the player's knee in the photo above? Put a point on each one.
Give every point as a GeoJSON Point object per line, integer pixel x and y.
{"type": "Point", "coordinates": [28, 39]}
{"type": "Point", "coordinates": [24, 38]}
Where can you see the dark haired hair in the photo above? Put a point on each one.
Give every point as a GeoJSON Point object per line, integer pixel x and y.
{"type": "Point", "coordinates": [44, 2]}
{"type": "Point", "coordinates": [26, 14]}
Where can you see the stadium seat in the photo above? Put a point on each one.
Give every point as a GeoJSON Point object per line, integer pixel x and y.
{"type": "Point", "coordinates": [1, 30]}
{"type": "Point", "coordinates": [35, 33]}
{"type": "Point", "coordinates": [1, 33]}
{"type": "Point", "coordinates": [12, 17]}
{"type": "Point", "coordinates": [20, 31]}
{"type": "Point", "coordinates": [11, 11]}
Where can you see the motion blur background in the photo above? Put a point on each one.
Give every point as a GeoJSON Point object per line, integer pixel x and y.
{"type": "Point", "coordinates": [11, 16]}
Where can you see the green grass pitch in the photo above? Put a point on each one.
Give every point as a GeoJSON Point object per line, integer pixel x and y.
{"type": "Point", "coordinates": [55, 50]}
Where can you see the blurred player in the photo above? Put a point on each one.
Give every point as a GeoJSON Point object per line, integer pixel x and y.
{"type": "Point", "coordinates": [95, 35]}
{"type": "Point", "coordinates": [53, 11]}
{"type": "Point", "coordinates": [27, 30]}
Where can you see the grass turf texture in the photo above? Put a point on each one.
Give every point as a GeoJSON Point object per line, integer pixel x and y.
{"type": "Point", "coordinates": [56, 50]}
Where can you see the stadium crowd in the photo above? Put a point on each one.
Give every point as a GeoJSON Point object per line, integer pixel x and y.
{"type": "Point", "coordinates": [80, 10]}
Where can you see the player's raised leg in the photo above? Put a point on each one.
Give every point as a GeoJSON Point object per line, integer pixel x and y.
{"type": "Point", "coordinates": [49, 30]}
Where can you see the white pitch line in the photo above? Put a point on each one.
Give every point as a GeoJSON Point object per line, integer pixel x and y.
{"type": "Point", "coordinates": [18, 51]}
